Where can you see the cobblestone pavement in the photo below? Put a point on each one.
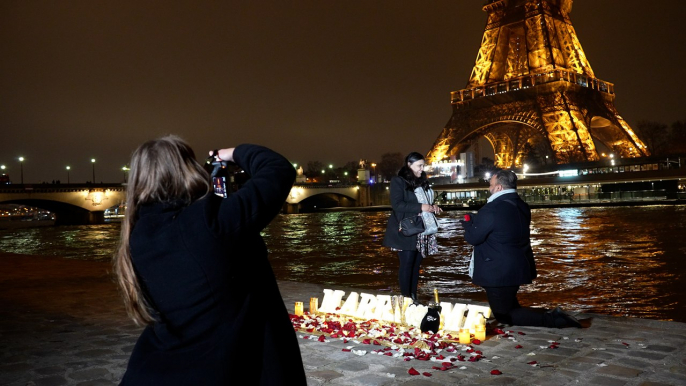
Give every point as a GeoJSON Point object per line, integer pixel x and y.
{"type": "Point", "coordinates": [62, 323]}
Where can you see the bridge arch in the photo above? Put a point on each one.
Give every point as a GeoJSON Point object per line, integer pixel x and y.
{"type": "Point", "coordinates": [72, 204]}
{"type": "Point", "coordinates": [66, 214]}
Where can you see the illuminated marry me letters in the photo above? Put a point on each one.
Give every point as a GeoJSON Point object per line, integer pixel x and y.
{"type": "Point", "coordinates": [396, 309]}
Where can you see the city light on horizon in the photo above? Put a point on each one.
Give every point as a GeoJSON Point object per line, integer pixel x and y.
{"type": "Point", "coordinates": [353, 120]}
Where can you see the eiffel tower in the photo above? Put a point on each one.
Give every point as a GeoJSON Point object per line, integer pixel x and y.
{"type": "Point", "coordinates": [532, 91]}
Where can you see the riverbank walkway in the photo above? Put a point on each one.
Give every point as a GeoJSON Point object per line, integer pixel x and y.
{"type": "Point", "coordinates": [62, 323]}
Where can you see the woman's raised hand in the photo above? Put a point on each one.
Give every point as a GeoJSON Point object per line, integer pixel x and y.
{"type": "Point", "coordinates": [225, 154]}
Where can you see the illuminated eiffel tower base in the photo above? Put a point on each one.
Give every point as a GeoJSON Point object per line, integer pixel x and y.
{"type": "Point", "coordinates": [533, 90]}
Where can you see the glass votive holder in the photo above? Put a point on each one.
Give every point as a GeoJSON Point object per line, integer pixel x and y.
{"type": "Point", "coordinates": [314, 305]}
{"type": "Point", "coordinates": [299, 308]}
{"type": "Point", "coordinates": [480, 332]}
{"type": "Point", "coordinates": [464, 336]}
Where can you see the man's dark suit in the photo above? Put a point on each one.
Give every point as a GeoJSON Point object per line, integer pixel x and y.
{"type": "Point", "coordinates": [503, 259]}
{"type": "Point", "coordinates": [502, 247]}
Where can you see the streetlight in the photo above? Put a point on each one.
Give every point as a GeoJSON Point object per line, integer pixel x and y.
{"type": "Point", "coordinates": [93, 162]}
{"type": "Point", "coordinates": [21, 165]}
{"type": "Point", "coordinates": [68, 169]}
{"type": "Point", "coordinates": [125, 170]}
{"type": "Point", "coordinates": [374, 171]}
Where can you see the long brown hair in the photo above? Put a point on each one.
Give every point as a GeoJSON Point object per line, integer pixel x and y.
{"type": "Point", "coordinates": [162, 170]}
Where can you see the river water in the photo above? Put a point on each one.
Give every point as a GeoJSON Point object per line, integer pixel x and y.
{"type": "Point", "coordinates": [625, 261]}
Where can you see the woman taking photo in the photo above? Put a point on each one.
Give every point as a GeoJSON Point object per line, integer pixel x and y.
{"type": "Point", "coordinates": [410, 196]}
{"type": "Point", "coordinates": [193, 269]}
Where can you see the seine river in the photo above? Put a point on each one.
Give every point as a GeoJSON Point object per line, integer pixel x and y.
{"type": "Point", "coordinates": [626, 261]}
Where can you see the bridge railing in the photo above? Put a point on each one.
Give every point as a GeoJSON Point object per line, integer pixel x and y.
{"type": "Point", "coordinates": [59, 188]}
{"type": "Point", "coordinates": [324, 185]}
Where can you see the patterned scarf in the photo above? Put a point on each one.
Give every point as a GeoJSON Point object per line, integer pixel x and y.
{"type": "Point", "coordinates": [426, 243]}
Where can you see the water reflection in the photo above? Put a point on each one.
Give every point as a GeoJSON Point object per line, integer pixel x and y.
{"type": "Point", "coordinates": [618, 261]}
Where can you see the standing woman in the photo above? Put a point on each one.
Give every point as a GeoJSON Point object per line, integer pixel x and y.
{"type": "Point", "coordinates": [193, 269]}
{"type": "Point", "coordinates": [411, 195]}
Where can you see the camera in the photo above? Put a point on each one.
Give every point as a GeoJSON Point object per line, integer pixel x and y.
{"type": "Point", "coordinates": [219, 174]}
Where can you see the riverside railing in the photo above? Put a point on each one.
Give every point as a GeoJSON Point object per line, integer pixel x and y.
{"type": "Point", "coordinates": [625, 196]}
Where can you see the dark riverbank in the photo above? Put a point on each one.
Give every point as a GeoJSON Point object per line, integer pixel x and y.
{"type": "Point", "coordinates": [62, 323]}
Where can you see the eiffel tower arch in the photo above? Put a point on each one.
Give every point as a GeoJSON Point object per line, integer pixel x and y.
{"type": "Point", "coordinates": [533, 88]}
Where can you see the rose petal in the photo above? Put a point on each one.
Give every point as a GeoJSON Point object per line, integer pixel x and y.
{"type": "Point", "coordinates": [476, 341]}
{"type": "Point", "coordinates": [521, 333]}
{"type": "Point", "coordinates": [495, 372]}
{"type": "Point", "coordinates": [533, 363]}
{"type": "Point", "coordinates": [346, 349]}
{"type": "Point", "coordinates": [412, 371]}
{"type": "Point", "coordinates": [518, 346]}
{"type": "Point", "coordinates": [426, 374]}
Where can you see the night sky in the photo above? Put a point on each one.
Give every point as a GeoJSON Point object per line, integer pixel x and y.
{"type": "Point", "coordinates": [333, 81]}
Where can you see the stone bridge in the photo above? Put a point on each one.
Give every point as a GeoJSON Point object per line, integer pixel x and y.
{"type": "Point", "coordinates": [326, 195]}
{"type": "Point", "coordinates": [86, 203]}
{"type": "Point", "coordinates": [72, 203]}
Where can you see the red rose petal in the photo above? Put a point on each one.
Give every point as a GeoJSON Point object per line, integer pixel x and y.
{"type": "Point", "coordinates": [412, 371]}
{"type": "Point", "coordinates": [518, 346]}
{"type": "Point", "coordinates": [521, 333]}
{"type": "Point", "coordinates": [495, 372]}
{"type": "Point", "coordinates": [476, 341]}
{"type": "Point", "coordinates": [346, 350]}
{"type": "Point", "coordinates": [426, 374]}
{"type": "Point", "coordinates": [532, 363]}
{"type": "Point", "coordinates": [321, 338]}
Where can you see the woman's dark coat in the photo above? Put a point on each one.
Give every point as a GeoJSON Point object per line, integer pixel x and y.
{"type": "Point", "coordinates": [501, 239]}
{"type": "Point", "coordinates": [405, 204]}
{"type": "Point", "coordinates": [204, 267]}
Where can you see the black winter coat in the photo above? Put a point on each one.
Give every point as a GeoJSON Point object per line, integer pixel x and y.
{"type": "Point", "coordinates": [405, 204]}
{"type": "Point", "coordinates": [204, 267]}
{"type": "Point", "coordinates": [501, 239]}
